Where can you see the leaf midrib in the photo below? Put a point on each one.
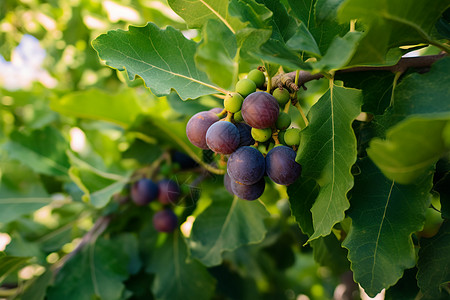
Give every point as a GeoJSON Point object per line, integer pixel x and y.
{"type": "Point", "coordinates": [379, 233]}
{"type": "Point", "coordinates": [169, 72]}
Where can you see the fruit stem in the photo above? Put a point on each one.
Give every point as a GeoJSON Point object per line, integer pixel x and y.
{"type": "Point", "coordinates": [220, 96]}
{"type": "Point", "coordinates": [275, 137]}
{"type": "Point", "coordinates": [229, 116]}
{"type": "Point", "coordinates": [269, 81]}
{"type": "Point", "coordinates": [222, 113]}
{"type": "Point", "coordinates": [287, 106]}
{"type": "Point", "coordinates": [302, 113]}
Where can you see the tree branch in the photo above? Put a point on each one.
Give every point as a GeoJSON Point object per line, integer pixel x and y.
{"type": "Point", "coordinates": [401, 66]}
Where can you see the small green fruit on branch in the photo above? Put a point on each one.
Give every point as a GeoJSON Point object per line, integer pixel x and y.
{"type": "Point", "coordinates": [288, 79]}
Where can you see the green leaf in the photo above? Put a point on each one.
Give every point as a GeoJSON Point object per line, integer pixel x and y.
{"type": "Point", "coordinates": [327, 153]}
{"type": "Point", "coordinates": [226, 225]}
{"type": "Point", "coordinates": [99, 268]}
{"type": "Point", "coordinates": [44, 151]}
{"type": "Point", "coordinates": [249, 11]}
{"type": "Point", "coordinates": [328, 252]}
{"type": "Point", "coordinates": [339, 53]}
{"type": "Point", "coordinates": [216, 52]}
{"type": "Point", "coordinates": [384, 215]}
{"type": "Point", "coordinates": [250, 39]}
{"type": "Point", "coordinates": [276, 51]}
{"type": "Point", "coordinates": [283, 24]}
{"type": "Point", "coordinates": [164, 58]}
{"type": "Point", "coordinates": [406, 22]}
{"type": "Point", "coordinates": [13, 208]}
{"type": "Point", "coordinates": [176, 275]}
{"type": "Point", "coordinates": [97, 189]}
{"type": "Point", "coordinates": [302, 195]}
{"type": "Point", "coordinates": [196, 13]}
{"type": "Point", "coordinates": [302, 40]}
{"type": "Point", "coordinates": [326, 10]}
{"type": "Point", "coordinates": [434, 264]}
{"type": "Point", "coordinates": [38, 289]}
{"type": "Point", "coordinates": [98, 186]}
{"type": "Point", "coordinates": [376, 88]}
{"type": "Point", "coordinates": [400, 158]}
{"type": "Point", "coordinates": [325, 31]}
{"type": "Point", "coordinates": [420, 95]}
{"type": "Point", "coordinates": [121, 108]}
{"type": "Point", "coordinates": [10, 264]}
{"type": "Point", "coordinates": [406, 288]}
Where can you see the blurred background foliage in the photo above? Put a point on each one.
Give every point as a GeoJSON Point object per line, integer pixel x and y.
{"type": "Point", "coordinates": [71, 129]}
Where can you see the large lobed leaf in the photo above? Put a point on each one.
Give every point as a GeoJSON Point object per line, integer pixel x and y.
{"type": "Point", "coordinates": [323, 28]}
{"type": "Point", "coordinates": [121, 108]}
{"type": "Point", "coordinates": [409, 149]}
{"type": "Point", "coordinates": [417, 116]}
{"type": "Point", "coordinates": [434, 265]}
{"type": "Point", "coordinates": [44, 151]}
{"type": "Point", "coordinates": [327, 153]}
{"type": "Point", "coordinates": [197, 12]}
{"type": "Point", "coordinates": [176, 275]}
{"type": "Point", "coordinates": [10, 264]}
{"type": "Point", "coordinates": [384, 215]}
{"type": "Point", "coordinates": [226, 225]}
{"type": "Point", "coordinates": [163, 58]}
{"type": "Point", "coordinates": [99, 268]}
{"type": "Point", "coordinates": [215, 55]}
{"type": "Point", "coordinates": [391, 24]}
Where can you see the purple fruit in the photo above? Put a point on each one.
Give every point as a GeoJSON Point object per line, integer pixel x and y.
{"type": "Point", "coordinates": [245, 134]}
{"type": "Point", "coordinates": [249, 192]}
{"type": "Point", "coordinates": [246, 165]}
{"type": "Point", "coordinates": [260, 110]}
{"type": "Point", "coordinates": [165, 221]}
{"type": "Point", "coordinates": [281, 166]}
{"type": "Point", "coordinates": [144, 191]}
{"type": "Point", "coordinates": [222, 137]}
{"type": "Point", "coordinates": [169, 191]}
{"type": "Point", "coordinates": [197, 127]}
{"type": "Point", "coordinates": [227, 183]}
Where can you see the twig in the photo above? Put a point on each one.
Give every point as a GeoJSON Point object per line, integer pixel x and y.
{"type": "Point", "coordinates": [99, 227]}
{"type": "Point", "coordinates": [401, 66]}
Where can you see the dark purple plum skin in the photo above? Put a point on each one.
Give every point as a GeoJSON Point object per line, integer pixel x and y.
{"type": "Point", "coordinates": [227, 183]}
{"type": "Point", "coordinates": [144, 191]}
{"type": "Point", "coordinates": [222, 137]}
{"type": "Point", "coordinates": [260, 110]}
{"type": "Point", "coordinates": [169, 191]}
{"type": "Point", "coordinates": [197, 127]}
{"type": "Point", "coordinates": [249, 192]}
{"type": "Point", "coordinates": [281, 166]}
{"type": "Point", "coordinates": [245, 134]}
{"type": "Point", "coordinates": [165, 221]}
{"type": "Point", "coordinates": [216, 110]}
{"type": "Point", "coordinates": [246, 165]}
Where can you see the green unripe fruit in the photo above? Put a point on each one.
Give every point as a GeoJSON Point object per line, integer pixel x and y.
{"type": "Point", "coordinates": [282, 96]}
{"type": "Point", "coordinates": [283, 121]}
{"type": "Point", "coordinates": [281, 134]}
{"type": "Point", "coordinates": [261, 135]}
{"type": "Point", "coordinates": [238, 117]}
{"type": "Point", "coordinates": [292, 137]}
{"type": "Point", "coordinates": [257, 77]}
{"type": "Point", "coordinates": [233, 102]}
{"type": "Point", "coordinates": [245, 87]}
{"type": "Point", "coordinates": [262, 148]}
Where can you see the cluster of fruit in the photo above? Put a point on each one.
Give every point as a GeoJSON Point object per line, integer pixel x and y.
{"type": "Point", "coordinates": [167, 192]}
{"type": "Point", "coordinates": [254, 132]}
